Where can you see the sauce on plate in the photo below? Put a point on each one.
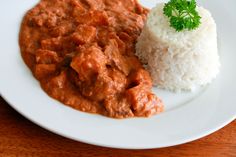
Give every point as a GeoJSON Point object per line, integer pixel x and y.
{"type": "Point", "coordinates": [83, 54]}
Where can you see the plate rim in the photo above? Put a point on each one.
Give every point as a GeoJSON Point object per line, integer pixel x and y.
{"type": "Point", "coordinates": [176, 143]}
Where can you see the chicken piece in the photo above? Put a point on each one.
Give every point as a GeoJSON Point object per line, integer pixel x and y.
{"type": "Point", "coordinates": [121, 44]}
{"type": "Point", "coordinates": [42, 71]}
{"type": "Point", "coordinates": [105, 84]}
{"type": "Point", "coordinates": [53, 44]}
{"type": "Point", "coordinates": [143, 102]}
{"type": "Point", "coordinates": [59, 81]}
{"type": "Point", "coordinates": [115, 57]}
{"type": "Point", "coordinates": [89, 63]}
{"type": "Point", "coordinates": [119, 80]}
{"type": "Point", "coordinates": [83, 34]}
{"type": "Point", "coordinates": [62, 45]}
{"type": "Point", "coordinates": [118, 108]}
{"type": "Point", "coordinates": [99, 89]}
{"type": "Point", "coordinates": [140, 77]}
{"type": "Point", "coordinates": [78, 8]}
{"type": "Point", "coordinates": [123, 4]}
{"type": "Point", "coordinates": [62, 30]}
{"type": "Point", "coordinates": [46, 57]}
{"type": "Point", "coordinates": [99, 80]}
{"type": "Point", "coordinates": [95, 4]}
{"type": "Point", "coordinates": [94, 18]}
{"type": "Point", "coordinates": [129, 42]}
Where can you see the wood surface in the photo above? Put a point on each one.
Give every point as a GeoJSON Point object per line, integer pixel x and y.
{"type": "Point", "coordinates": [21, 138]}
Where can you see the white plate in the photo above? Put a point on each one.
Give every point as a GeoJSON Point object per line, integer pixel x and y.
{"type": "Point", "coordinates": [188, 116]}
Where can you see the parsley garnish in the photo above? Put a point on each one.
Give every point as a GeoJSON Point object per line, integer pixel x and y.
{"type": "Point", "coordinates": [182, 14]}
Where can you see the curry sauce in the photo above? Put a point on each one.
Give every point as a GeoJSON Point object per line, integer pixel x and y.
{"type": "Point", "coordinates": [83, 54]}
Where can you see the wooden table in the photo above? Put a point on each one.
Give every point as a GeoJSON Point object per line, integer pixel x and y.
{"type": "Point", "coordinates": [21, 138]}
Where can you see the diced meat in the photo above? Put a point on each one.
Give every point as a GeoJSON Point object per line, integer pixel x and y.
{"type": "Point", "coordinates": [62, 29]}
{"type": "Point", "coordinates": [140, 77]}
{"type": "Point", "coordinates": [133, 62]}
{"type": "Point", "coordinates": [102, 35]}
{"type": "Point", "coordinates": [53, 44]}
{"type": "Point", "coordinates": [83, 34]}
{"type": "Point", "coordinates": [143, 102]}
{"type": "Point", "coordinates": [46, 57]}
{"type": "Point", "coordinates": [62, 45]}
{"type": "Point", "coordinates": [78, 8]}
{"type": "Point", "coordinates": [44, 70]}
{"type": "Point", "coordinates": [106, 84]}
{"type": "Point", "coordinates": [89, 63]}
{"type": "Point", "coordinates": [115, 57]}
{"type": "Point", "coordinates": [99, 89]}
{"type": "Point", "coordinates": [129, 42]}
{"type": "Point", "coordinates": [126, 37]}
{"type": "Point", "coordinates": [118, 107]}
{"type": "Point", "coordinates": [94, 18]}
{"type": "Point", "coordinates": [119, 80]}
{"type": "Point", "coordinates": [95, 80]}
{"type": "Point", "coordinates": [94, 4]}
{"type": "Point", "coordinates": [59, 81]}
{"type": "Point", "coordinates": [122, 5]}
{"type": "Point", "coordinates": [121, 44]}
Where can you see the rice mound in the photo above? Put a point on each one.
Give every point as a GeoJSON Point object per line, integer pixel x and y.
{"type": "Point", "coordinates": [179, 60]}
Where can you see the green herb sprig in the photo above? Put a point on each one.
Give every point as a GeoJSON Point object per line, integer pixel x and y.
{"type": "Point", "coordinates": [182, 14]}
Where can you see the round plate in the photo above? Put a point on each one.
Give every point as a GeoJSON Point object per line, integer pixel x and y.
{"type": "Point", "coordinates": [188, 116]}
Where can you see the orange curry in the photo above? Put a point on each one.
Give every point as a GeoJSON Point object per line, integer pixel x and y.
{"type": "Point", "coordinates": [83, 54]}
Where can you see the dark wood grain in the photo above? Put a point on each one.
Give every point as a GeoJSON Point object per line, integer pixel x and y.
{"type": "Point", "coordinates": [21, 138]}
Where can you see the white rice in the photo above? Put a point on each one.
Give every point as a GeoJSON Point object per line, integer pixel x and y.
{"type": "Point", "coordinates": [179, 60]}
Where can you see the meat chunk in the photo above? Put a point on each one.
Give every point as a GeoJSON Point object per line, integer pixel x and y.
{"type": "Point", "coordinates": [59, 81]}
{"type": "Point", "coordinates": [53, 44]}
{"type": "Point", "coordinates": [98, 89]}
{"type": "Point", "coordinates": [143, 102]}
{"type": "Point", "coordinates": [129, 42]}
{"type": "Point", "coordinates": [119, 80]}
{"type": "Point", "coordinates": [121, 44]}
{"type": "Point", "coordinates": [62, 29]}
{"type": "Point", "coordinates": [42, 71]}
{"type": "Point", "coordinates": [140, 77]}
{"type": "Point", "coordinates": [78, 8]}
{"type": "Point", "coordinates": [94, 78]}
{"type": "Point", "coordinates": [118, 107]}
{"type": "Point", "coordinates": [105, 84]}
{"type": "Point", "coordinates": [95, 4]}
{"type": "Point", "coordinates": [89, 63]}
{"type": "Point", "coordinates": [46, 57]}
{"type": "Point", "coordinates": [94, 18]}
{"type": "Point", "coordinates": [108, 83]}
{"type": "Point", "coordinates": [123, 4]}
{"type": "Point", "coordinates": [83, 34]}
{"type": "Point", "coordinates": [62, 45]}
{"type": "Point", "coordinates": [115, 57]}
